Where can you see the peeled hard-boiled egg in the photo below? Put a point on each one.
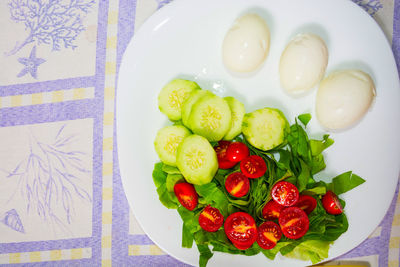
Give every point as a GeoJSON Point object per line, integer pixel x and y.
{"type": "Point", "coordinates": [343, 98]}
{"type": "Point", "coordinates": [246, 44]}
{"type": "Point", "coordinates": [303, 63]}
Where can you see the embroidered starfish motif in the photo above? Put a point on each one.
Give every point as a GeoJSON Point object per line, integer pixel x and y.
{"type": "Point", "coordinates": [31, 64]}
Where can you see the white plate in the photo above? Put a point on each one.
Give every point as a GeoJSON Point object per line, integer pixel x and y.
{"type": "Point", "coordinates": [184, 39]}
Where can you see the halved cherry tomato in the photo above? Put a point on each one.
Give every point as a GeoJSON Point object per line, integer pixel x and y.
{"type": "Point", "coordinates": [186, 195]}
{"type": "Point", "coordinates": [242, 247]}
{"type": "Point", "coordinates": [253, 166]}
{"type": "Point", "coordinates": [237, 184]}
{"type": "Point", "coordinates": [285, 193]}
{"type": "Point", "coordinates": [271, 210]}
{"type": "Point", "coordinates": [306, 203]}
{"type": "Point", "coordinates": [331, 203]}
{"type": "Point", "coordinates": [294, 222]}
{"type": "Point", "coordinates": [237, 151]}
{"type": "Point", "coordinates": [241, 229]}
{"type": "Point", "coordinates": [210, 219]}
{"type": "Point", "coordinates": [223, 161]}
{"type": "Point", "coordinates": [268, 234]}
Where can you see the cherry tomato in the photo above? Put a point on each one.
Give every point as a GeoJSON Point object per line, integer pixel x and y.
{"type": "Point", "coordinates": [242, 247]}
{"type": "Point", "coordinates": [210, 219]}
{"type": "Point", "coordinates": [331, 203]}
{"type": "Point", "coordinates": [268, 234]}
{"type": "Point", "coordinates": [186, 195]}
{"type": "Point", "coordinates": [237, 151]}
{"type": "Point", "coordinates": [272, 210]}
{"type": "Point", "coordinates": [253, 166]}
{"type": "Point", "coordinates": [285, 193]}
{"type": "Point", "coordinates": [237, 184]}
{"type": "Point", "coordinates": [294, 222]}
{"type": "Point", "coordinates": [241, 229]}
{"type": "Point", "coordinates": [306, 203]}
{"type": "Point", "coordinates": [223, 161]}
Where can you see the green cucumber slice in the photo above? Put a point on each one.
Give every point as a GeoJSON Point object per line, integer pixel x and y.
{"type": "Point", "coordinates": [189, 102]}
{"type": "Point", "coordinates": [197, 160]}
{"type": "Point", "coordinates": [210, 117]}
{"type": "Point", "coordinates": [172, 96]}
{"type": "Point", "coordinates": [265, 128]}
{"type": "Point", "coordinates": [237, 113]}
{"type": "Point", "coordinates": [167, 142]}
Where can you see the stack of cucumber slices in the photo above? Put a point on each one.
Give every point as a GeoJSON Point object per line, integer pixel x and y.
{"type": "Point", "coordinates": [200, 118]}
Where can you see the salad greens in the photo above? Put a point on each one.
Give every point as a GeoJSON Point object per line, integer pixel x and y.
{"type": "Point", "coordinates": [297, 161]}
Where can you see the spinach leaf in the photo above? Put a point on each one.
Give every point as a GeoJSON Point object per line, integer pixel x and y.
{"type": "Point", "coordinates": [305, 118]}
{"type": "Point", "coordinates": [205, 254]}
{"type": "Point", "coordinates": [345, 182]}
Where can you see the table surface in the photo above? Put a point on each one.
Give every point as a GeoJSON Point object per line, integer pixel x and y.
{"type": "Point", "coordinates": [61, 197]}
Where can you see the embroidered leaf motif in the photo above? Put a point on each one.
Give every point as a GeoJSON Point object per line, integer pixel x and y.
{"type": "Point", "coordinates": [51, 22]}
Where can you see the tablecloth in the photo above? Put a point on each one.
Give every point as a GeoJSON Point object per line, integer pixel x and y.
{"type": "Point", "coordinates": [61, 197]}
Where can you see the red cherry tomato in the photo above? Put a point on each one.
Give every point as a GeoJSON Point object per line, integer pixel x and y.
{"type": "Point", "coordinates": [186, 195]}
{"type": "Point", "coordinates": [268, 234]}
{"type": "Point", "coordinates": [210, 219]}
{"type": "Point", "coordinates": [237, 184]}
{"type": "Point", "coordinates": [271, 210]}
{"type": "Point", "coordinates": [241, 229]}
{"type": "Point", "coordinates": [237, 151]}
{"type": "Point", "coordinates": [331, 203]}
{"type": "Point", "coordinates": [306, 203]}
{"type": "Point", "coordinates": [223, 161]}
{"type": "Point", "coordinates": [242, 247]}
{"type": "Point", "coordinates": [285, 193]}
{"type": "Point", "coordinates": [294, 222]}
{"type": "Point", "coordinates": [253, 166]}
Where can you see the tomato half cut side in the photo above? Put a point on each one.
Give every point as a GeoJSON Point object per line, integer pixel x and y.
{"type": "Point", "coordinates": [237, 151]}
{"type": "Point", "coordinates": [253, 166]}
{"type": "Point", "coordinates": [211, 219]}
{"type": "Point", "coordinates": [237, 184]}
{"type": "Point", "coordinates": [294, 222]}
{"type": "Point", "coordinates": [285, 193]}
{"type": "Point", "coordinates": [220, 150]}
{"type": "Point", "coordinates": [241, 229]}
{"type": "Point", "coordinates": [271, 210]}
{"type": "Point", "coordinates": [186, 195]}
{"type": "Point", "coordinates": [331, 203]}
{"type": "Point", "coordinates": [306, 203]}
{"type": "Point", "coordinates": [268, 234]}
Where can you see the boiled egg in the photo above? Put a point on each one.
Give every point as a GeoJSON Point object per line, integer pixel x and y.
{"type": "Point", "coordinates": [246, 44]}
{"type": "Point", "coordinates": [303, 63]}
{"type": "Point", "coordinates": [343, 98]}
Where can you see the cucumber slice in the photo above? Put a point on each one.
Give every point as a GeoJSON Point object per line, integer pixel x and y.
{"type": "Point", "coordinates": [189, 102]}
{"type": "Point", "coordinates": [265, 128]}
{"type": "Point", "coordinates": [197, 160]}
{"type": "Point", "coordinates": [237, 113]}
{"type": "Point", "coordinates": [210, 117]}
{"type": "Point", "coordinates": [167, 142]}
{"type": "Point", "coordinates": [172, 96]}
